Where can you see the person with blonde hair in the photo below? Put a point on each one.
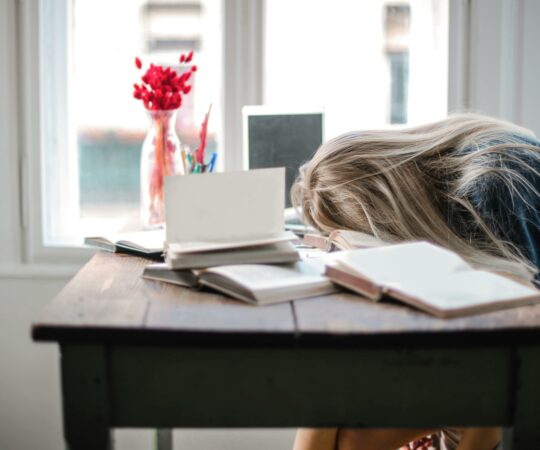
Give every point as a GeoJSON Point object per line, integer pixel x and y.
{"type": "Point", "coordinates": [469, 183]}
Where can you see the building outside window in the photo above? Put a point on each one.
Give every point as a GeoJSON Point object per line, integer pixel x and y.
{"type": "Point", "coordinates": [396, 34]}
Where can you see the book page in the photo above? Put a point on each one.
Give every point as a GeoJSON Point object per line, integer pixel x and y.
{"type": "Point", "coordinates": [149, 240]}
{"type": "Point", "coordinates": [257, 277]}
{"type": "Point", "coordinates": [348, 239]}
{"type": "Point", "coordinates": [412, 262]}
{"type": "Point", "coordinates": [224, 207]}
{"type": "Point", "coordinates": [458, 290]}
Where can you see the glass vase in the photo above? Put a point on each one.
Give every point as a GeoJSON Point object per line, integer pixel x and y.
{"type": "Point", "coordinates": [160, 156]}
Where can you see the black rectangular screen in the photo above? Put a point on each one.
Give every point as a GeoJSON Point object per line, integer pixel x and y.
{"type": "Point", "coordinates": [283, 140]}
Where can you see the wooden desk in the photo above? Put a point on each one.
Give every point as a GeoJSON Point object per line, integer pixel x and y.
{"type": "Point", "coordinates": [138, 353]}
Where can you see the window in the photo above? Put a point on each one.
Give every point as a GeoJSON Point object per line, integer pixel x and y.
{"type": "Point", "coordinates": [396, 35]}
{"type": "Point", "coordinates": [369, 64]}
{"type": "Point", "coordinates": [105, 125]}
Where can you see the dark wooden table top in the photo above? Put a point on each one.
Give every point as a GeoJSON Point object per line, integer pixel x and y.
{"type": "Point", "coordinates": [109, 302]}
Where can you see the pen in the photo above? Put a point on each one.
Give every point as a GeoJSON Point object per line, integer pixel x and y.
{"type": "Point", "coordinates": [212, 162]}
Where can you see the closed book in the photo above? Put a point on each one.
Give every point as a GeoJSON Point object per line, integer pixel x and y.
{"type": "Point", "coordinates": [275, 253]}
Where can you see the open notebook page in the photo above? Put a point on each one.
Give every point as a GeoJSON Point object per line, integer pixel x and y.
{"type": "Point", "coordinates": [401, 263]}
{"type": "Point", "coordinates": [148, 240]}
{"type": "Point", "coordinates": [459, 290]}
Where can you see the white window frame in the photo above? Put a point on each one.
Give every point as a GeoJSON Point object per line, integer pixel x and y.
{"type": "Point", "coordinates": [44, 62]}
{"type": "Point", "coordinates": [21, 134]}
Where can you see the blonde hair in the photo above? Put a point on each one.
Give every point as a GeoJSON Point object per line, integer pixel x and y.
{"type": "Point", "coordinates": [411, 184]}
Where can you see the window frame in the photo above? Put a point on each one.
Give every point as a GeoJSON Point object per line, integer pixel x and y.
{"type": "Point", "coordinates": [44, 104]}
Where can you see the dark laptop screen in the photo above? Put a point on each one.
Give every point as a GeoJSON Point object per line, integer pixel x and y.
{"type": "Point", "coordinates": [283, 140]}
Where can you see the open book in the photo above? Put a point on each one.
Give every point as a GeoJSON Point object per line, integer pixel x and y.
{"type": "Point", "coordinates": [342, 240]}
{"type": "Point", "coordinates": [227, 218]}
{"type": "Point", "coordinates": [141, 243]}
{"type": "Point", "coordinates": [428, 277]}
{"type": "Point", "coordinates": [254, 283]}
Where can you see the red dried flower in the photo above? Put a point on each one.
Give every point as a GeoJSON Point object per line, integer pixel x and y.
{"type": "Point", "coordinates": [162, 88]}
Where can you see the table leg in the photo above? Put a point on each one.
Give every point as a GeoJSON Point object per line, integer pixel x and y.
{"type": "Point", "coordinates": [85, 397]}
{"type": "Point", "coordinates": [163, 439]}
{"type": "Point", "coordinates": [526, 434]}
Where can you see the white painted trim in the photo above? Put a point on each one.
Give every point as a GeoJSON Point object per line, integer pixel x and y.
{"type": "Point", "coordinates": [43, 102]}
{"type": "Point", "coordinates": [260, 110]}
{"type": "Point", "coordinates": [511, 60]}
{"type": "Point", "coordinates": [459, 55]}
{"type": "Point", "coordinates": [243, 59]}
{"type": "Point", "coordinates": [11, 239]}
{"type": "Point", "coordinates": [266, 110]}
{"type": "Point", "coordinates": [59, 169]}
{"type": "Point", "coordinates": [30, 149]}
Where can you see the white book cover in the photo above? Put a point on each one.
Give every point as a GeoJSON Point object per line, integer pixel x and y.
{"type": "Point", "coordinates": [220, 210]}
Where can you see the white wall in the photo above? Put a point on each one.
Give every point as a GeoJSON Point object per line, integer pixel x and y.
{"type": "Point", "coordinates": [30, 415]}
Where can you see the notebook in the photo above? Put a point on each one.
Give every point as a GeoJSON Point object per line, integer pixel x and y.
{"type": "Point", "coordinates": [427, 277]}
{"type": "Point", "coordinates": [141, 243]}
{"type": "Point", "coordinates": [254, 283]}
{"type": "Point", "coordinates": [227, 218]}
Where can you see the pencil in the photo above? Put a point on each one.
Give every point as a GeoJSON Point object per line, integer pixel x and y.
{"type": "Point", "coordinates": [184, 162]}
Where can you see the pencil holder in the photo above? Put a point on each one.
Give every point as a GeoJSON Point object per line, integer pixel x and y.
{"type": "Point", "coordinates": [160, 156]}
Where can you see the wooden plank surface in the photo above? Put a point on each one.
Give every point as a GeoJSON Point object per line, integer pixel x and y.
{"type": "Point", "coordinates": [106, 292]}
{"type": "Point", "coordinates": [176, 308]}
{"type": "Point", "coordinates": [348, 314]}
{"type": "Point", "coordinates": [109, 301]}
